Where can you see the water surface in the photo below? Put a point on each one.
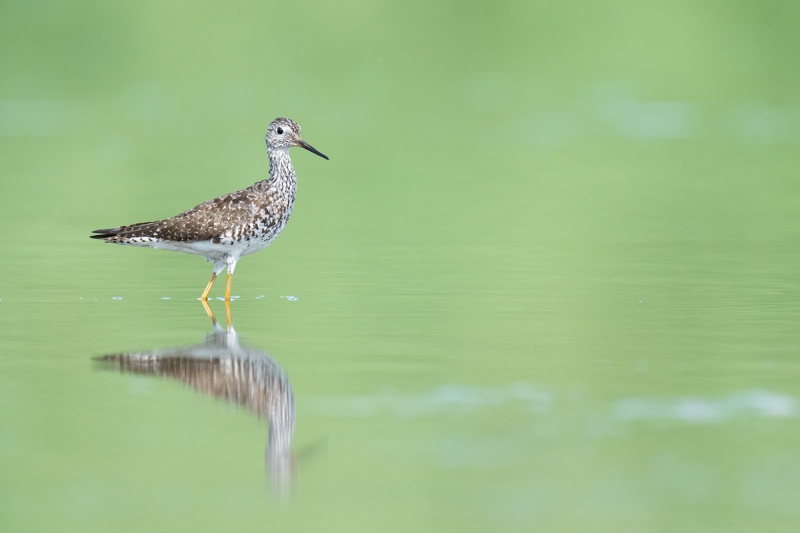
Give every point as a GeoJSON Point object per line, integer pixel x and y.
{"type": "Point", "coordinates": [548, 279]}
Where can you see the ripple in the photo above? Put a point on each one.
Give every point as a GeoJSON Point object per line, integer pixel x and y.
{"type": "Point", "coordinates": [456, 399]}
{"type": "Point", "coordinates": [699, 410]}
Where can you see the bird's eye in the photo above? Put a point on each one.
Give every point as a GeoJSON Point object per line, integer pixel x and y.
{"type": "Point", "coordinates": [280, 131]}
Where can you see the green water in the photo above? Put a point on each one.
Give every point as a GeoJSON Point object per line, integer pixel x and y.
{"type": "Point", "coordinates": [548, 280]}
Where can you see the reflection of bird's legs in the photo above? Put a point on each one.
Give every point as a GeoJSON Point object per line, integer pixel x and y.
{"type": "Point", "coordinates": [228, 310]}
{"type": "Point", "coordinates": [211, 314]}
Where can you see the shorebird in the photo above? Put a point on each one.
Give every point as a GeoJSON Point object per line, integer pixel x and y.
{"type": "Point", "coordinates": [226, 228]}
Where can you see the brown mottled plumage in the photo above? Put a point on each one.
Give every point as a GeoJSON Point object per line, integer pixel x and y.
{"type": "Point", "coordinates": [223, 368]}
{"type": "Point", "coordinates": [226, 228]}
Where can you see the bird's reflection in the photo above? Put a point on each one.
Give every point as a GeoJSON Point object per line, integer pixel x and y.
{"type": "Point", "coordinates": [224, 368]}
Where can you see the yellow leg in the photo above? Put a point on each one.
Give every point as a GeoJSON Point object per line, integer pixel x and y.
{"type": "Point", "coordinates": [228, 313]}
{"type": "Point", "coordinates": [228, 288]}
{"type": "Point", "coordinates": [210, 313]}
{"type": "Point", "coordinates": [204, 297]}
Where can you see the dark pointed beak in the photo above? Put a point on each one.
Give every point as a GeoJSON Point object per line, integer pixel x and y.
{"type": "Point", "coordinates": [302, 144]}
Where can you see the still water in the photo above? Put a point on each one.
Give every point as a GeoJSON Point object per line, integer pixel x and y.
{"type": "Point", "coordinates": [547, 281]}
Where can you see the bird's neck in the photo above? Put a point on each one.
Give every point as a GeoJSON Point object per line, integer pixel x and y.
{"type": "Point", "coordinates": [280, 166]}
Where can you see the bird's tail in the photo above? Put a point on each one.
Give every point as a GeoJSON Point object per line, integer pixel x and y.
{"type": "Point", "coordinates": [124, 234]}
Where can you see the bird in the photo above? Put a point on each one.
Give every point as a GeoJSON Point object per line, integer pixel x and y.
{"type": "Point", "coordinates": [228, 227]}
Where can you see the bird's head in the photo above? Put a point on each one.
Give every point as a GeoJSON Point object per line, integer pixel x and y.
{"type": "Point", "coordinates": [283, 133]}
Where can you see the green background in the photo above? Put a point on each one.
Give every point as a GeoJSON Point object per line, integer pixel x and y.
{"type": "Point", "coordinates": [547, 281]}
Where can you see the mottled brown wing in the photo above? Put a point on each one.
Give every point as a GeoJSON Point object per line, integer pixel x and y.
{"type": "Point", "coordinates": [206, 221]}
